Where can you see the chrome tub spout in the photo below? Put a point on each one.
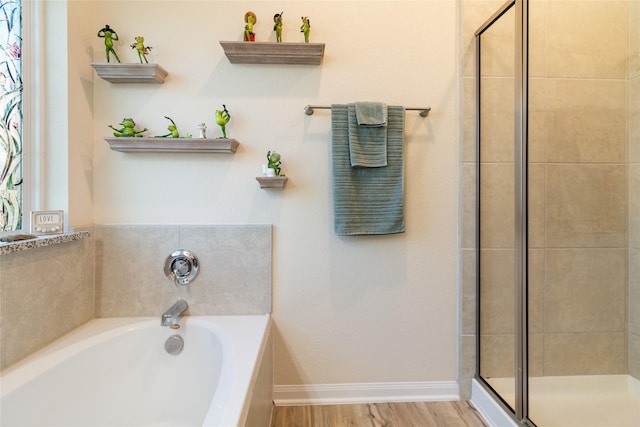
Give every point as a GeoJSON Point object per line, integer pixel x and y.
{"type": "Point", "coordinates": [173, 314]}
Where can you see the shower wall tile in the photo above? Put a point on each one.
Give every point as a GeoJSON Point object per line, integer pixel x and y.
{"type": "Point", "coordinates": [46, 292]}
{"type": "Point", "coordinates": [586, 206]}
{"type": "Point", "coordinates": [497, 48]}
{"type": "Point", "coordinates": [469, 298]}
{"type": "Point", "coordinates": [539, 118]}
{"type": "Point", "coordinates": [497, 210]}
{"type": "Point", "coordinates": [474, 14]}
{"type": "Point", "coordinates": [498, 355]}
{"type": "Point", "coordinates": [536, 355]}
{"type": "Point", "coordinates": [469, 119]}
{"type": "Point", "coordinates": [535, 290]}
{"type": "Point", "coordinates": [634, 118]}
{"type": "Point", "coordinates": [497, 127]}
{"type": "Point", "coordinates": [587, 120]}
{"type": "Point", "coordinates": [234, 278]}
{"type": "Point", "coordinates": [496, 295]}
{"type": "Point", "coordinates": [634, 205]}
{"type": "Point", "coordinates": [469, 205]}
{"type": "Point", "coordinates": [586, 290]}
{"type": "Point", "coordinates": [634, 355]}
{"type": "Point", "coordinates": [634, 291]}
{"type": "Point", "coordinates": [585, 354]}
{"type": "Point", "coordinates": [634, 39]}
{"type": "Point", "coordinates": [536, 205]}
{"type": "Point", "coordinates": [596, 50]}
{"type": "Point", "coordinates": [468, 352]}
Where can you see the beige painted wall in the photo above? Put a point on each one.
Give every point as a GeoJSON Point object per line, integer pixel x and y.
{"type": "Point", "coordinates": [353, 309]}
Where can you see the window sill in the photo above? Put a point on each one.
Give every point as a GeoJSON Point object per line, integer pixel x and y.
{"type": "Point", "coordinates": [42, 241]}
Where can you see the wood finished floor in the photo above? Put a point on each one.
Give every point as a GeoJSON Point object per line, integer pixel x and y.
{"type": "Point", "coordinates": [414, 414]}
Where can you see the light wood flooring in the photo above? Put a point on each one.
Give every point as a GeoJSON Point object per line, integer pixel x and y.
{"type": "Point", "coordinates": [415, 414]}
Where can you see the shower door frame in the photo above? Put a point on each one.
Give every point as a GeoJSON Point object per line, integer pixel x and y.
{"type": "Point", "coordinates": [520, 412]}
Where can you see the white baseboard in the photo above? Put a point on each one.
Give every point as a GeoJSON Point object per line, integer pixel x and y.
{"type": "Point", "coordinates": [335, 394]}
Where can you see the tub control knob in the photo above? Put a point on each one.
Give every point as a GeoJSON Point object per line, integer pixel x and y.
{"type": "Point", "coordinates": [182, 266]}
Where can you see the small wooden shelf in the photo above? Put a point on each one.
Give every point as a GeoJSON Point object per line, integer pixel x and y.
{"type": "Point", "coordinates": [273, 53]}
{"type": "Point", "coordinates": [173, 145]}
{"type": "Point", "coordinates": [130, 73]}
{"type": "Point", "coordinates": [271, 181]}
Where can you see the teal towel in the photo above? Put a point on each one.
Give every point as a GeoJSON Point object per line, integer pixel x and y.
{"type": "Point", "coordinates": [367, 200]}
{"type": "Point", "coordinates": [372, 114]}
{"type": "Point", "coordinates": [367, 144]}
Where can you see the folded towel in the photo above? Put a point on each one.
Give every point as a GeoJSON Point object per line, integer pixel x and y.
{"type": "Point", "coordinates": [372, 114]}
{"type": "Point", "coordinates": [367, 200]}
{"type": "Point", "coordinates": [367, 144]}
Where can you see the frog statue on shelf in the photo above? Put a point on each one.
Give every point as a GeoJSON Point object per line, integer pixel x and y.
{"type": "Point", "coordinates": [274, 162]}
{"type": "Point", "coordinates": [143, 50]}
{"type": "Point", "coordinates": [128, 129]}
{"type": "Point", "coordinates": [222, 118]}
{"type": "Point", "coordinates": [172, 128]}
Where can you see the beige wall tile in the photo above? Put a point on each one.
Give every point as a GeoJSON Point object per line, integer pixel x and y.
{"type": "Point", "coordinates": [46, 293]}
{"type": "Point", "coordinates": [634, 291]}
{"type": "Point", "coordinates": [634, 39]}
{"type": "Point", "coordinates": [467, 364]}
{"type": "Point", "coordinates": [469, 205]}
{"type": "Point", "coordinates": [634, 355]}
{"type": "Point", "coordinates": [130, 278]}
{"type": "Point", "coordinates": [588, 120]}
{"type": "Point", "coordinates": [587, 39]}
{"type": "Point", "coordinates": [474, 14]}
{"type": "Point", "coordinates": [585, 354]}
{"type": "Point", "coordinates": [634, 119]}
{"type": "Point", "coordinates": [497, 47]}
{"type": "Point", "coordinates": [497, 205]}
{"type": "Point", "coordinates": [469, 291]}
{"type": "Point", "coordinates": [586, 206]}
{"type": "Point", "coordinates": [497, 356]}
{"type": "Point", "coordinates": [535, 290]}
{"type": "Point", "coordinates": [234, 278]}
{"type": "Point", "coordinates": [536, 355]}
{"type": "Point", "coordinates": [536, 205]}
{"type": "Point", "coordinates": [497, 291]}
{"type": "Point", "coordinates": [497, 123]}
{"type": "Point", "coordinates": [586, 290]}
{"type": "Point", "coordinates": [634, 205]}
{"type": "Point", "coordinates": [469, 119]}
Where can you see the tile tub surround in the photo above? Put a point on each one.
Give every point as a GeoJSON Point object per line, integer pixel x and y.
{"type": "Point", "coordinates": [234, 278]}
{"type": "Point", "coordinates": [46, 291]}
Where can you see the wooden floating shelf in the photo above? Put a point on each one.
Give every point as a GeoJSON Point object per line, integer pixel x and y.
{"type": "Point", "coordinates": [273, 53]}
{"type": "Point", "coordinates": [130, 73]}
{"type": "Point", "coordinates": [271, 181]}
{"type": "Point", "coordinates": [173, 145]}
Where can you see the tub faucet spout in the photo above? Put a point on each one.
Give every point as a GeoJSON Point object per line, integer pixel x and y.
{"type": "Point", "coordinates": [174, 313]}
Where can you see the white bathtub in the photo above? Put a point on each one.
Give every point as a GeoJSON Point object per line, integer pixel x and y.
{"type": "Point", "coordinates": [116, 372]}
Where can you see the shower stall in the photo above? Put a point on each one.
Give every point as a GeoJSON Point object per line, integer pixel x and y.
{"type": "Point", "coordinates": [558, 212]}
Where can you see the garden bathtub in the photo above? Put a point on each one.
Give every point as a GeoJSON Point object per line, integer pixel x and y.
{"type": "Point", "coordinates": [116, 372]}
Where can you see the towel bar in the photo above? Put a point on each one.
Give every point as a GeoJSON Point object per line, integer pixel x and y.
{"type": "Point", "coordinates": [308, 109]}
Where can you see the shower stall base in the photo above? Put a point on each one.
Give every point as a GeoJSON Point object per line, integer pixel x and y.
{"type": "Point", "coordinates": [578, 401]}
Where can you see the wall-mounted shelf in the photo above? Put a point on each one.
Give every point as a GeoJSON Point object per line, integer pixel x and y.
{"type": "Point", "coordinates": [273, 53]}
{"type": "Point", "coordinates": [173, 145]}
{"type": "Point", "coordinates": [130, 73]}
{"type": "Point", "coordinates": [271, 181]}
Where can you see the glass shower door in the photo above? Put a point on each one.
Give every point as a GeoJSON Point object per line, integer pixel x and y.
{"type": "Point", "coordinates": [496, 200]}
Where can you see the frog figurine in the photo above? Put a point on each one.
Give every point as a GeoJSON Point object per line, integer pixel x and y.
{"type": "Point", "coordinates": [128, 129]}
